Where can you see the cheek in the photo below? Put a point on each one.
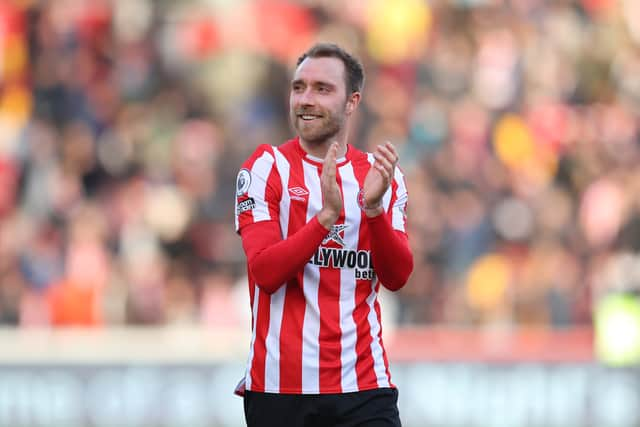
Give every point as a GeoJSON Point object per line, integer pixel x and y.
{"type": "Point", "coordinates": [340, 108]}
{"type": "Point", "coordinates": [295, 98]}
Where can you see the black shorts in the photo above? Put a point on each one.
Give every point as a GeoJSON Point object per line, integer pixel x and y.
{"type": "Point", "coordinates": [370, 408]}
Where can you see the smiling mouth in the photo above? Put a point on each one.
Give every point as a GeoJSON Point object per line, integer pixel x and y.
{"type": "Point", "coordinates": [308, 117]}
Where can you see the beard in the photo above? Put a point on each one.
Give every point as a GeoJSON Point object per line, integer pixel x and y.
{"type": "Point", "coordinates": [318, 130]}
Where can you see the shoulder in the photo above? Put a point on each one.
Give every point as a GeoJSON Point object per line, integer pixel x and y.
{"type": "Point", "coordinates": [289, 150]}
{"type": "Point", "coordinates": [265, 158]}
{"type": "Point", "coordinates": [257, 166]}
{"type": "Point", "coordinates": [262, 151]}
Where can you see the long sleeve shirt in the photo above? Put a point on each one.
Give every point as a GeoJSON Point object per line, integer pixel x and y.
{"type": "Point", "coordinates": [316, 318]}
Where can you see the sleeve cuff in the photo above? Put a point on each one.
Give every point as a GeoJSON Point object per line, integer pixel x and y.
{"type": "Point", "coordinates": [378, 219]}
{"type": "Point", "coordinates": [318, 229]}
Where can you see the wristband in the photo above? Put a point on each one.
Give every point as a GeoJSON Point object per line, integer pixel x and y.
{"type": "Point", "coordinates": [362, 204]}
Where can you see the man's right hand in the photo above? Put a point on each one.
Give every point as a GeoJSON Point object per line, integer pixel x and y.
{"type": "Point", "coordinates": [331, 196]}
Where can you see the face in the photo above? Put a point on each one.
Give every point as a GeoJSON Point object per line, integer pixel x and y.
{"type": "Point", "coordinates": [318, 102]}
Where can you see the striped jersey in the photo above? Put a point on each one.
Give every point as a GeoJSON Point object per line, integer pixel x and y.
{"type": "Point", "coordinates": [321, 331]}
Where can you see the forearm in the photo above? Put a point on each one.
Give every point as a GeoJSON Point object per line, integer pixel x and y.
{"type": "Point", "coordinates": [390, 252]}
{"type": "Point", "coordinates": [273, 261]}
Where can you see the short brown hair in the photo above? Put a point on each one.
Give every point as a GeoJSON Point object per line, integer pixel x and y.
{"type": "Point", "coordinates": [354, 72]}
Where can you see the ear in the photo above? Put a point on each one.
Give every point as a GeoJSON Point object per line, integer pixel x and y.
{"type": "Point", "coordinates": [352, 102]}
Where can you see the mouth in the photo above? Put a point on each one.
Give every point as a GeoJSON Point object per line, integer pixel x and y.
{"type": "Point", "coordinates": [308, 117]}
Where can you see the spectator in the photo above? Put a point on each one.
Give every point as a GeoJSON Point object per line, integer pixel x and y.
{"type": "Point", "coordinates": [515, 123]}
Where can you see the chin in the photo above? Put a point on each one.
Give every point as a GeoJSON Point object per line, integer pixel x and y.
{"type": "Point", "coordinates": [309, 136]}
{"type": "Point", "coordinates": [318, 137]}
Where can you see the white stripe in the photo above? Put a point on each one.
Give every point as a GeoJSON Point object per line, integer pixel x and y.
{"type": "Point", "coordinates": [399, 207]}
{"type": "Point", "coordinates": [311, 279]}
{"type": "Point", "coordinates": [272, 342]}
{"type": "Point", "coordinates": [386, 199]}
{"type": "Point", "coordinates": [311, 332]}
{"type": "Point", "coordinates": [312, 182]}
{"type": "Point", "coordinates": [371, 159]}
{"type": "Point", "coordinates": [259, 175]}
{"type": "Point", "coordinates": [376, 345]}
{"type": "Point", "coordinates": [254, 309]}
{"type": "Point", "coordinates": [348, 357]}
{"type": "Point", "coordinates": [236, 219]}
{"type": "Point", "coordinates": [285, 201]}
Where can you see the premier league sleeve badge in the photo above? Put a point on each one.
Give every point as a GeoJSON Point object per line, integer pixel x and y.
{"type": "Point", "coordinates": [243, 181]}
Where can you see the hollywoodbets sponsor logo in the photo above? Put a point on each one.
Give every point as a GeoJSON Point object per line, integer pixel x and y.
{"type": "Point", "coordinates": [345, 258]}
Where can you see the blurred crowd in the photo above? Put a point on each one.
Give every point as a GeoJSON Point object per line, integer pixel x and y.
{"type": "Point", "coordinates": [123, 124]}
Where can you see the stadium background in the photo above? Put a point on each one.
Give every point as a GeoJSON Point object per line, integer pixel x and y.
{"type": "Point", "coordinates": [123, 123]}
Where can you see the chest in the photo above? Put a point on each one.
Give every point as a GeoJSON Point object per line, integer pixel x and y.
{"type": "Point", "coordinates": [302, 194]}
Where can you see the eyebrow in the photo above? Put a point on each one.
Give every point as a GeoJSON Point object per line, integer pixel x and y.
{"type": "Point", "coordinates": [313, 83]}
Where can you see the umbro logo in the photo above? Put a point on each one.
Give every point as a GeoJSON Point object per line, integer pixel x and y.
{"type": "Point", "coordinates": [298, 193]}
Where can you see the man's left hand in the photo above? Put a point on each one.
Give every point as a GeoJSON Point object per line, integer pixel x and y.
{"type": "Point", "coordinates": [379, 177]}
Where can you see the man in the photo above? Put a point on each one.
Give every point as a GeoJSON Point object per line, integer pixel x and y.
{"type": "Point", "coordinates": [322, 225]}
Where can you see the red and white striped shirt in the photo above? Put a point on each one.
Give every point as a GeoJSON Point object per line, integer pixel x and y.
{"type": "Point", "coordinates": [316, 318]}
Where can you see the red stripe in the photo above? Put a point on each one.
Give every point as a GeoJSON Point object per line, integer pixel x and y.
{"type": "Point", "coordinates": [330, 334]}
{"type": "Point", "coordinates": [294, 304]}
{"type": "Point", "coordinates": [330, 376]}
{"type": "Point", "coordinates": [394, 197]}
{"type": "Point", "coordinates": [273, 192]}
{"type": "Point", "coordinates": [252, 289]}
{"type": "Point", "coordinates": [364, 363]}
{"type": "Point", "coordinates": [259, 347]}
{"type": "Point", "coordinates": [291, 339]}
{"type": "Point", "coordinates": [384, 352]}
